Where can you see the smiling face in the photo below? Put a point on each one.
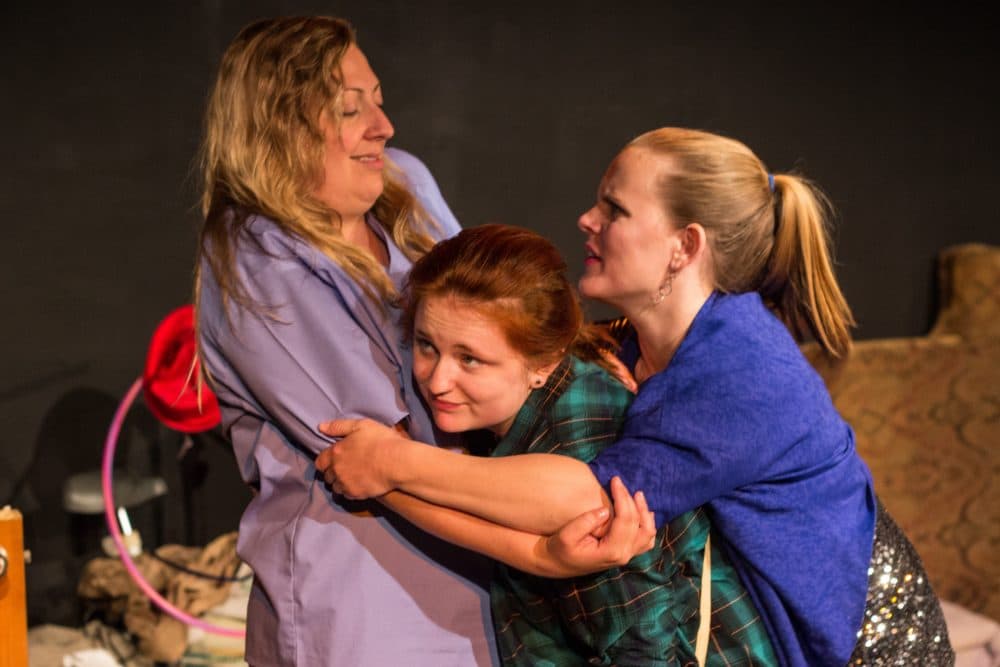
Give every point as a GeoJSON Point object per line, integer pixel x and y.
{"type": "Point", "coordinates": [354, 137]}
{"type": "Point", "coordinates": [630, 239]}
{"type": "Point", "coordinates": [467, 371]}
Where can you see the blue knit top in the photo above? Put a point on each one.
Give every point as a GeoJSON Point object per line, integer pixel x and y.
{"type": "Point", "coordinates": [740, 422]}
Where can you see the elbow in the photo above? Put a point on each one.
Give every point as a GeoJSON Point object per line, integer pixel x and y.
{"type": "Point", "coordinates": [583, 494]}
{"type": "Point", "coordinates": [588, 497]}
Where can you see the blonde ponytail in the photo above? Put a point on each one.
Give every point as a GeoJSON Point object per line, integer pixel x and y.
{"type": "Point", "coordinates": [799, 281]}
{"type": "Point", "coordinates": [767, 233]}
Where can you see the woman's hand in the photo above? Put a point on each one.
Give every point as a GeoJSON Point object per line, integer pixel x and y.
{"type": "Point", "coordinates": [360, 465]}
{"type": "Point", "coordinates": [592, 542]}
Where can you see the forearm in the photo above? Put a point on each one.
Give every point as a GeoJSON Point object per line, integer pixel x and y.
{"type": "Point", "coordinates": [535, 493]}
{"type": "Point", "coordinates": [518, 549]}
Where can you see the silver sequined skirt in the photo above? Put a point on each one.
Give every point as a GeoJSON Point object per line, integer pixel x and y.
{"type": "Point", "coordinates": [903, 622]}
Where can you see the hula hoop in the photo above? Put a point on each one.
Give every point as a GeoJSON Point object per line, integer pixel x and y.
{"type": "Point", "coordinates": [110, 443]}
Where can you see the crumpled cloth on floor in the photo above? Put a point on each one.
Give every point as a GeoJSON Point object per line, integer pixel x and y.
{"type": "Point", "coordinates": [117, 600]}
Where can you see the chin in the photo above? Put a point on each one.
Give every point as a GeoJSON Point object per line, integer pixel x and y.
{"type": "Point", "coordinates": [449, 424]}
{"type": "Point", "coordinates": [367, 195]}
{"type": "Point", "coordinates": [588, 289]}
{"type": "Point", "coordinates": [376, 186]}
{"type": "Point", "coordinates": [369, 201]}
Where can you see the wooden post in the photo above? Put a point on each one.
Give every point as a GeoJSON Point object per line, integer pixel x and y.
{"type": "Point", "coordinates": [13, 603]}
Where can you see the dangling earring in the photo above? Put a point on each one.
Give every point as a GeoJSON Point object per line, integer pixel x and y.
{"type": "Point", "coordinates": [667, 286]}
{"type": "Point", "coordinates": [668, 283]}
{"type": "Point", "coordinates": [665, 289]}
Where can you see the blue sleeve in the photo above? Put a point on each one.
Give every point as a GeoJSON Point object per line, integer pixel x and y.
{"type": "Point", "coordinates": [686, 445]}
{"type": "Point", "coordinates": [674, 480]}
{"type": "Point", "coordinates": [321, 353]}
{"type": "Point", "coordinates": [425, 188]}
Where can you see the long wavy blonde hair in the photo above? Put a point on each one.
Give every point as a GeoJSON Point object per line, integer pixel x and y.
{"type": "Point", "coordinates": [263, 149]}
{"type": "Point", "coordinates": [773, 239]}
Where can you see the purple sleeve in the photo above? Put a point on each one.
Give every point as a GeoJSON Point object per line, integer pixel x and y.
{"type": "Point", "coordinates": [322, 353]}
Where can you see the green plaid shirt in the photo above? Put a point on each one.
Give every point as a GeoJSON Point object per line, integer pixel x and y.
{"type": "Point", "coordinates": [645, 613]}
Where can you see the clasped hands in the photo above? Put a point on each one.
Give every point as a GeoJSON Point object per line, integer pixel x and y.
{"type": "Point", "coordinates": [361, 465]}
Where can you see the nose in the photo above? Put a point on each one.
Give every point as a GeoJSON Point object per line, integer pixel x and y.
{"type": "Point", "coordinates": [590, 221]}
{"type": "Point", "coordinates": [379, 126]}
{"type": "Point", "coordinates": [440, 377]}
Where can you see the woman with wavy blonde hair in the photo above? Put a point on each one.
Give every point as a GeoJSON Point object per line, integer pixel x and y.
{"type": "Point", "coordinates": [311, 225]}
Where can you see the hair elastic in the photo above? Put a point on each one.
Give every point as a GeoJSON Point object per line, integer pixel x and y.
{"type": "Point", "coordinates": [770, 182]}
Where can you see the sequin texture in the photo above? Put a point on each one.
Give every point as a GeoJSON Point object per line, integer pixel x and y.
{"type": "Point", "coordinates": [903, 623]}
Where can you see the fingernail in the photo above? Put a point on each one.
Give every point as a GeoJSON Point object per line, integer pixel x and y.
{"type": "Point", "coordinates": [602, 513]}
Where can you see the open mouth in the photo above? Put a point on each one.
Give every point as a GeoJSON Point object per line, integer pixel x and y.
{"type": "Point", "coordinates": [369, 160]}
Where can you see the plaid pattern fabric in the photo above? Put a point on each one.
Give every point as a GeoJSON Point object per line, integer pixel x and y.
{"type": "Point", "coordinates": [645, 613]}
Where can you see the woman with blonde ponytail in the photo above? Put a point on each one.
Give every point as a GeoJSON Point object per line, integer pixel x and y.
{"type": "Point", "coordinates": [719, 266]}
{"type": "Point", "coordinates": [311, 225]}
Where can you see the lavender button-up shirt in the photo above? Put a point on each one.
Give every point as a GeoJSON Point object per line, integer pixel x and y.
{"type": "Point", "coordinates": [336, 583]}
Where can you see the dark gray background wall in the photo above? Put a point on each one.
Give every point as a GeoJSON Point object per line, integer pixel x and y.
{"type": "Point", "coordinates": [517, 108]}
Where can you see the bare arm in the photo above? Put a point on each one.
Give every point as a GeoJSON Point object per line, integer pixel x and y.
{"type": "Point", "coordinates": [574, 550]}
{"type": "Point", "coordinates": [534, 493]}
{"type": "Point", "coordinates": [524, 551]}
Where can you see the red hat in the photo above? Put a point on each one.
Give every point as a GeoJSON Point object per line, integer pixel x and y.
{"type": "Point", "coordinates": [170, 380]}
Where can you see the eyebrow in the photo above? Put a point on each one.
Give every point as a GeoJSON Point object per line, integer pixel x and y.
{"type": "Point", "coordinates": [375, 89]}
{"type": "Point", "coordinates": [458, 347]}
